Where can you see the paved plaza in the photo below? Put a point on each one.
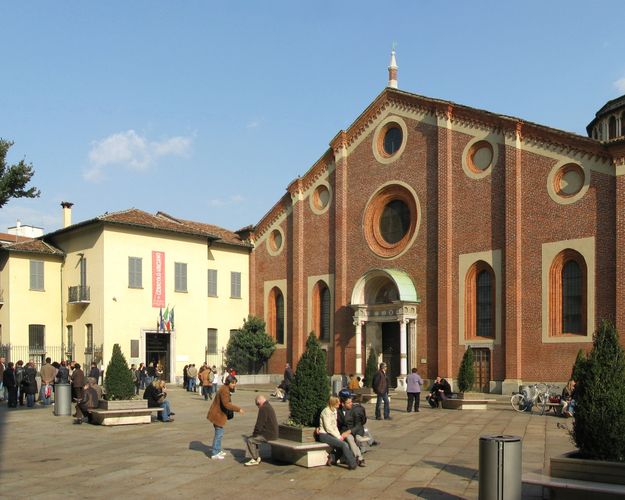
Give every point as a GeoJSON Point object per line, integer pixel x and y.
{"type": "Point", "coordinates": [430, 454]}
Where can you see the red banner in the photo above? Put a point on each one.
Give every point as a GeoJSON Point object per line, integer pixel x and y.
{"type": "Point", "coordinates": [158, 279]}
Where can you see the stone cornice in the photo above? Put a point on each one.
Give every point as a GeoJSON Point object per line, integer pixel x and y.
{"type": "Point", "coordinates": [273, 215]}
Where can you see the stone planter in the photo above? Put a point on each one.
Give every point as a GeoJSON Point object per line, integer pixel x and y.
{"type": "Point", "coordinates": [298, 434]}
{"type": "Point", "coordinates": [570, 466]}
{"type": "Point", "coordinates": [130, 404]}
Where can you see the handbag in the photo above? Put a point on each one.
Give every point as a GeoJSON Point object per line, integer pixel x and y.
{"type": "Point", "coordinates": [229, 413]}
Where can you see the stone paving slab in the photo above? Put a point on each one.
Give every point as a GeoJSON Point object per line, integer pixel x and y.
{"type": "Point", "coordinates": [431, 454]}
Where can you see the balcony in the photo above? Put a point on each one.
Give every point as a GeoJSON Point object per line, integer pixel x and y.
{"type": "Point", "coordinates": [79, 295]}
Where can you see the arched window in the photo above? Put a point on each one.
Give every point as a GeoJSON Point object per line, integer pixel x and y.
{"type": "Point", "coordinates": [480, 301]}
{"type": "Point", "coordinates": [612, 128]}
{"type": "Point", "coordinates": [275, 316]}
{"type": "Point", "coordinates": [568, 294]}
{"type": "Point", "coordinates": [321, 311]}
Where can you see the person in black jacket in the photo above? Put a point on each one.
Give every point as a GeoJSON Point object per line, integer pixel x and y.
{"type": "Point", "coordinates": [351, 420]}
{"type": "Point", "coordinates": [266, 429]}
{"type": "Point", "coordinates": [156, 395]}
{"type": "Point", "coordinates": [440, 390]}
{"type": "Point", "coordinates": [380, 387]}
{"type": "Point", "coordinates": [8, 380]}
{"type": "Point", "coordinates": [29, 383]}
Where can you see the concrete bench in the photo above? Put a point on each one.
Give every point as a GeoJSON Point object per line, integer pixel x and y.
{"type": "Point", "coordinates": [123, 416]}
{"type": "Point", "coordinates": [466, 404]}
{"type": "Point", "coordinates": [304, 454]}
{"type": "Point", "coordinates": [574, 488]}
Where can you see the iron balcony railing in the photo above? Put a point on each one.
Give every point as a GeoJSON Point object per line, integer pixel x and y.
{"type": "Point", "coordinates": [79, 295]}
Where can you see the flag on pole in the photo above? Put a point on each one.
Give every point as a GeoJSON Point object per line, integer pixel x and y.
{"type": "Point", "coordinates": [166, 318]}
{"type": "Point", "coordinates": [171, 318]}
{"type": "Point", "coordinates": [161, 322]}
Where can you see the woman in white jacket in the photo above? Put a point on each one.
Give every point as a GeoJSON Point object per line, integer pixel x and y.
{"type": "Point", "coordinates": [329, 434]}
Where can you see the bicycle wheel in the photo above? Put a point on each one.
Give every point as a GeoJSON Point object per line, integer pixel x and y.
{"type": "Point", "coordinates": [518, 402]}
{"type": "Point", "coordinates": [542, 388]}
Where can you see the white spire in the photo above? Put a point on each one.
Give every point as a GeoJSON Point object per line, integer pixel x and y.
{"type": "Point", "coordinates": [392, 70]}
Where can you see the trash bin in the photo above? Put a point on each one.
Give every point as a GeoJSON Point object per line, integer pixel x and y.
{"type": "Point", "coordinates": [62, 399]}
{"type": "Point", "coordinates": [500, 468]}
{"type": "Point", "coordinates": [337, 385]}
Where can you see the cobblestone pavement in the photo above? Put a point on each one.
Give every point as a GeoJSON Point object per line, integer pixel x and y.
{"type": "Point", "coordinates": [430, 454]}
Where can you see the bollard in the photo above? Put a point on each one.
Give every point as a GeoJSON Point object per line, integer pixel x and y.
{"type": "Point", "coordinates": [337, 385]}
{"type": "Point", "coordinates": [500, 468]}
{"type": "Point", "coordinates": [62, 399]}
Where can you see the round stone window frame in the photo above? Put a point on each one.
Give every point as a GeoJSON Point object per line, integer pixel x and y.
{"type": "Point", "coordinates": [555, 177]}
{"type": "Point", "coordinates": [378, 139]}
{"type": "Point", "coordinates": [314, 198]}
{"type": "Point", "coordinates": [272, 248]}
{"type": "Point", "coordinates": [470, 169]}
{"type": "Point", "coordinates": [394, 190]}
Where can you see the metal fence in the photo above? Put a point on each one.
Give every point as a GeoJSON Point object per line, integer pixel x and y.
{"type": "Point", "coordinates": [55, 353]}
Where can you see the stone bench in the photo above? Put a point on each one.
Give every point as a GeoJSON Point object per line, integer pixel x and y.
{"type": "Point", "coordinates": [466, 404]}
{"type": "Point", "coordinates": [574, 488]}
{"type": "Point", "coordinates": [123, 416]}
{"type": "Point", "coordinates": [308, 455]}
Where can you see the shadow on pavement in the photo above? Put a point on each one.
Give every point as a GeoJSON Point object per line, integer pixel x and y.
{"type": "Point", "coordinates": [199, 446]}
{"type": "Point", "coordinates": [430, 493]}
{"type": "Point", "coordinates": [458, 470]}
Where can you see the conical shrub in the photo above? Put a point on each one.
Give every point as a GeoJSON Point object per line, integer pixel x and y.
{"type": "Point", "coordinates": [466, 372]}
{"type": "Point", "coordinates": [599, 427]}
{"type": "Point", "coordinates": [118, 382]}
{"type": "Point", "coordinates": [371, 367]}
{"type": "Point", "coordinates": [310, 389]}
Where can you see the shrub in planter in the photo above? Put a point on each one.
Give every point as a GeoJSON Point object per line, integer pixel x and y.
{"type": "Point", "coordinates": [578, 367]}
{"type": "Point", "coordinates": [599, 427]}
{"type": "Point", "coordinates": [371, 368]}
{"type": "Point", "coordinates": [466, 372]}
{"type": "Point", "coordinates": [250, 347]}
{"type": "Point", "coordinates": [310, 389]}
{"type": "Point", "coordinates": [118, 382]}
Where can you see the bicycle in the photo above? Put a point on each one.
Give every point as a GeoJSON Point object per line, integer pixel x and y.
{"type": "Point", "coordinates": [536, 395]}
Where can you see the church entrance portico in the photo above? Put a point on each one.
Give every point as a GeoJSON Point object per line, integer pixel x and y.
{"type": "Point", "coordinates": [385, 313]}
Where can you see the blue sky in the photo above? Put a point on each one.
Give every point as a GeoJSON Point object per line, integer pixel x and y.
{"type": "Point", "coordinates": [208, 110]}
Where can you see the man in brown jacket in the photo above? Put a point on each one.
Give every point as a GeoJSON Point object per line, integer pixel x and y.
{"type": "Point", "coordinates": [78, 382]}
{"type": "Point", "coordinates": [206, 379]}
{"type": "Point", "coordinates": [217, 414]}
{"type": "Point", "coordinates": [48, 374]}
{"type": "Point", "coordinates": [266, 429]}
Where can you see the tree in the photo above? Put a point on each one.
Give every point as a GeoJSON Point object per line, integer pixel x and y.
{"type": "Point", "coordinates": [14, 178]}
{"type": "Point", "coordinates": [599, 427]}
{"type": "Point", "coordinates": [578, 367]}
{"type": "Point", "coordinates": [118, 381]}
{"type": "Point", "coordinates": [466, 372]}
{"type": "Point", "coordinates": [250, 347]}
{"type": "Point", "coordinates": [371, 368]}
{"type": "Point", "coordinates": [310, 389]}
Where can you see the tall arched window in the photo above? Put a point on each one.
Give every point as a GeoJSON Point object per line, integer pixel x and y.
{"type": "Point", "coordinates": [480, 301]}
{"type": "Point", "coordinates": [568, 294]}
{"type": "Point", "coordinates": [275, 316]}
{"type": "Point", "coordinates": [612, 127]}
{"type": "Point", "coordinates": [321, 311]}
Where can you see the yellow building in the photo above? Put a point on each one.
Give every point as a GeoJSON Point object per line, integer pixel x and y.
{"type": "Point", "coordinates": [165, 289]}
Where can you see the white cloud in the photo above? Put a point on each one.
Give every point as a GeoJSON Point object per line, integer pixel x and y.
{"type": "Point", "coordinates": [253, 124]}
{"type": "Point", "coordinates": [620, 84]}
{"type": "Point", "coordinates": [132, 150]}
{"type": "Point", "coordinates": [235, 199]}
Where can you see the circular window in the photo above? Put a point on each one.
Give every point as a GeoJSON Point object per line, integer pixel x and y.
{"type": "Point", "coordinates": [480, 156]}
{"type": "Point", "coordinates": [391, 220]}
{"type": "Point", "coordinates": [275, 241]}
{"type": "Point", "coordinates": [568, 180]}
{"type": "Point", "coordinates": [389, 139]}
{"type": "Point", "coordinates": [321, 197]}
{"type": "Point", "coordinates": [392, 140]}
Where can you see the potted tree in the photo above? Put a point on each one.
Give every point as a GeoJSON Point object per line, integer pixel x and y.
{"type": "Point", "coordinates": [308, 394]}
{"type": "Point", "coordinates": [599, 427]}
{"type": "Point", "coordinates": [466, 373]}
{"type": "Point", "coordinates": [119, 386]}
{"type": "Point", "coordinates": [250, 347]}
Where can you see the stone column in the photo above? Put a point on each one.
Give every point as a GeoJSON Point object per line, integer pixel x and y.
{"type": "Point", "coordinates": [358, 324]}
{"type": "Point", "coordinates": [403, 354]}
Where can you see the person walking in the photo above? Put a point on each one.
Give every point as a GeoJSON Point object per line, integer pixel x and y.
{"type": "Point", "coordinates": [220, 412]}
{"type": "Point", "coordinates": [414, 382]}
{"type": "Point", "coordinates": [288, 378]}
{"type": "Point", "coordinates": [380, 387]}
{"type": "Point", "coordinates": [266, 429]}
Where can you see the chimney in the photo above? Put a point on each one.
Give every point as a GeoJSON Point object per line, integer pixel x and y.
{"type": "Point", "coordinates": [392, 71]}
{"type": "Point", "coordinates": [67, 213]}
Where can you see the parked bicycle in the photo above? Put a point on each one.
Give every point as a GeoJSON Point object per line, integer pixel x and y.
{"type": "Point", "coordinates": [534, 396]}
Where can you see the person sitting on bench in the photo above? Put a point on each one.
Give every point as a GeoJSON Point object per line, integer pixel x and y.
{"type": "Point", "coordinates": [439, 391]}
{"type": "Point", "coordinates": [88, 402]}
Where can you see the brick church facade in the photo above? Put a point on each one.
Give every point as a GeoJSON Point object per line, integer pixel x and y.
{"type": "Point", "coordinates": [428, 227]}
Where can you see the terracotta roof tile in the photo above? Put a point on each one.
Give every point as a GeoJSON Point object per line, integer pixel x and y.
{"type": "Point", "coordinates": [222, 234]}
{"type": "Point", "coordinates": [33, 246]}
